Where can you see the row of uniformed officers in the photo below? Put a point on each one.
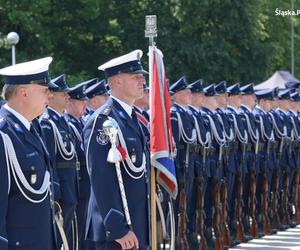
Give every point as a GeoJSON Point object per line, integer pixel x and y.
{"type": "Point", "coordinates": [237, 160]}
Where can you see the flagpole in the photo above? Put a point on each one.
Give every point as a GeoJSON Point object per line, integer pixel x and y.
{"type": "Point", "coordinates": [151, 32]}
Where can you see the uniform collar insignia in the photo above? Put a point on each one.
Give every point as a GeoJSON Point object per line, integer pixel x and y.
{"type": "Point", "coordinates": [18, 127]}
{"type": "Point", "coordinates": [206, 110]}
{"type": "Point", "coordinates": [193, 109]}
{"type": "Point", "coordinates": [231, 108]}
{"type": "Point", "coordinates": [179, 107]}
{"type": "Point", "coordinates": [2, 122]}
{"type": "Point", "coordinates": [219, 110]}
{"type": "Point", "coordinates": [55, 117]}
{"type": "Point", "coordinates": [121, 113]}
{"type": "Point", "coordinates": [245, 108]}
{"type": "Point", "coordinates": [260, 109]}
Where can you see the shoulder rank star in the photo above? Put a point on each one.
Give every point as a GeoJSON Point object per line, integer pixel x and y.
{"type": "Point", "coordinates": [101, 137]}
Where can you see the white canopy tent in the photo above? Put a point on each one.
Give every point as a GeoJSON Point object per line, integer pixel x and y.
{"type": "Point", "coordinates": [281, 79]}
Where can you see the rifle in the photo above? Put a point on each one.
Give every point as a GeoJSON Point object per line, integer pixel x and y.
{"type": "Point", "coordinates": [275, 191]}
{"type": "Point", "coordinates": [182, 242]}
{"type": "Point", "coordinates": [295, 196]}
{"type": "Point", "coordinates": [264, 196]}
{"type": "Point", "coordinates": [240, 234]}
{"type": "Point", "coordinates": [296, 184]}
{"type": "Point", "coordinates": [295, 190]}
{"type": "Point", "coordinates": [224, 214]}
{"type": "Point", "coordinates": [182, 239]}
{"type": "Point", "coordinates": [216, 217]}
{"type": "Point", "coordinates": [200, 206]}
{"type": "Point", "coordinates": [285, 217]}
{"type": "Point", "coordinates": [224, 211]}
{"type": "Point", "coordinates": [298, 201]}
{"type": "Point", "coordinates": [285, 200]}
{"type": "Point", "coordinates": [252, 192]}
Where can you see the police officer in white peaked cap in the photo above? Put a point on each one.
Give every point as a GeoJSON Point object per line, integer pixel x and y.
{"type": "Point", "coordinates": [119, 205]}
{"type": "Point", "coordinates": [26, 213]}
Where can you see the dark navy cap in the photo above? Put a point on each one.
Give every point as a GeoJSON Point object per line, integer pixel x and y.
{"type": "Point", "coordinates": [60, 84]}
{"type": "Point", "coordinates": [247, 89]}
{"type": "Point", "coordinates": [90, 82]}
{"type": "Point", "coordinates": [28, 72]}
{"type": "Point", "coordinates": [78, 92]}
{"type": "Point", "coordinates": [284, 94]}
{"type": "Point", "coordinates": [197, 86]}
{"type": "Point", "coordinates": [234, 89]}
{"type": "Point", "coordinates": [221, 87]}
{"type": "Point", "coordinates": [179, 85]}
{"type": "Point", "coordinates": [129, 63]}
{"type": "Point", "coordinates": [295, 97]}
{"type": "Point", "coordinates": [97, 89]}
{"type": "Point", "coordinates": [266, 94]}
{"type": "Point", "coordinates": [210, 90]}
{"type": "Point", "coordinates": [107, 87]}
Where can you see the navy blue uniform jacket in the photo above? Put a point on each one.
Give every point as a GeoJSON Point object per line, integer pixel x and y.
{"type": "Point", "coordinates": [106, 219]}
{"type": "Point", "coordinates": [24, 224]}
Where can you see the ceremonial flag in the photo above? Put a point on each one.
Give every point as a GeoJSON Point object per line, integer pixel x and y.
{"type": "Point", "coordinates": [161, 140]}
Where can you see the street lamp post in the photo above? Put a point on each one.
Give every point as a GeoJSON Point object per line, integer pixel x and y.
{"type": "Point", "coordinates": [13, 38]}
{"type": "Point", "coordinates": [292, 41]}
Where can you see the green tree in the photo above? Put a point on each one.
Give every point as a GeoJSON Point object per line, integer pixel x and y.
{"type": "Point", "coordinates": [211, 39]}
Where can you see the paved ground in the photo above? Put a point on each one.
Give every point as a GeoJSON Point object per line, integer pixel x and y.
{"type": "Point", "coordinates": [289, 239]}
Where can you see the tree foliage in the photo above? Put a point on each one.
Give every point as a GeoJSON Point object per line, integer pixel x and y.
{"type": "Point", "coordinates": [239, 41]}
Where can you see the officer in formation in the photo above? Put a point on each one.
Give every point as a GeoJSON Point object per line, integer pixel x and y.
{"type": "Point", "coordinates": [202, 142]}
{"type": "Point", "coordinates": [118, 161]}
{"type": "Point", "coordinates": [59, 140]}
{"type": "Point", "coordinates": [184, 135]}
{"type": "Point", "coordinates": [26, 180]}
{"type": "Point", "coordinates": [97, 95]}
{"type": "Point", "coordinates": [75, 108]}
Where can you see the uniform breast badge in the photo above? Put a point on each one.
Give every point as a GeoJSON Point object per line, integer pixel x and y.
{"type": "Point", "coordinates": [133, 156]}
{"type": "Point", "coordinates": [102, 138]}
{"type": "Point", "coordinates": [33, 176]}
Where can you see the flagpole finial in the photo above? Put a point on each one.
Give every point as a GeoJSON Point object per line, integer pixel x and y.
{"type": "Point", "coordinates": [150, 28]}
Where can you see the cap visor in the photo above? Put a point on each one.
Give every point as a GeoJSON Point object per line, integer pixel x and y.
{"type": "Point", "coordinates": [57, 89]}
{"type": "Point", "coordinates": [50, 85]}
{"type": "Point", "coordinates": [141, 71]}
{"type": "Point", "coordinates": [44, 83]}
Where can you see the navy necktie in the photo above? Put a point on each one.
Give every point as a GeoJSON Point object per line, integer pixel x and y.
{"type": "Point", "coordinates": [33, 131]}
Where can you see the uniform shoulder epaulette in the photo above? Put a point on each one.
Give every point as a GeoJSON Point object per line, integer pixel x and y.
{"type": "Point", "coordinates": [45, 124]}
{"type": "Point", "coordinates": [173, 109]}
{"type": "Point", "coordinates": [227, 111]}
{"type": "Point", "coordinates": [106, 109]}
{"type": "Point", "coordinates": [102, 112]}
{"type": "Point", "coordinates": [219, 110]}
{"type": "Point", "coordinates": [2, 123]}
